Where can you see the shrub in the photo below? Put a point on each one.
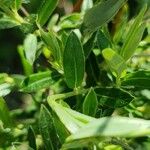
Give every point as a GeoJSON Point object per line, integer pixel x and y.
{"type": "Point", "coordinates": [83, 85]}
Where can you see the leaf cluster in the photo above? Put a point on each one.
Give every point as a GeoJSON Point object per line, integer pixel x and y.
{"type": "Point", "coordinates": [81, 90]}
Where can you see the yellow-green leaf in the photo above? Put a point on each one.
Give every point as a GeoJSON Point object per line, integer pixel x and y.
{"type": "Point", "coordinates": [134, 36]}
{"type": "Point", "coordinates": [115, 62]}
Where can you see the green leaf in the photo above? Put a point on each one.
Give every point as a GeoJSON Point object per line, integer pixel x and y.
{"type": "Point", "coordinates": [31, 138]}
{"type": "Point", "coordinates": [113, 97]}
{"type": "Point", "coordinates": [5, 89]}
{"type": "Point", "coordinates": [79, 116]}
{"type": "Point", "coordinates": [88, 46]}
{"type": "Point", "coordinates": [69, 120]}
{"type": "Point", "coordinates": [86, 5]}
{"type": "Point", "coordinates": [70, 21]}
{"type": "Point", "coordinates": [64, 37]}
{"type": "Point", "coordinates": [46, 9]}
{"type": "Point", "coordinates": [30, 48]}
{"type": "Point", "coordinates": [73, 61]}
{"type": "Point", "coordinates": [62, 132]}
{"type": "Point", "coordinates": [18, 3]}
{"type": "Point", "coordinates": [53, 21]}
{"type": "Point", "coordinates": [47, 129]}
{"type": "Point", "coordinates": [115, 62]}
{"type": "Point", "coordinates": [39, 81]}
{"type": "Point", "coordinates": [4, 114]}
{"type": "Point", "coordinates": [130, 47]}
{"type": "Point", "coordinates": [100, 14]}
{"type": "Point", "coordinates": [102, 41]}
{"type": "Point", "coordinates": [113, 127]}
{"type": "Point", "coordinates": [27, 67]}
{"type": "Point", "coordinates": [71, 123]}
{"type": "Point", "coordinates": [134, 36]}
{"type": "Point", "coordinates": [90, 103]}
{"type": "Point", "coordinates": [18, 79]}
{"type": "Point", "coordinates": [139, 79]}
{"type": "Point", "coordinates": [92, 70]}
{"type": "Point", "coordinates": [6, 84]}
{"type": "Point", "coordinates": [52, 43]}
{"type": "Point", "coordinates": [7, 22]}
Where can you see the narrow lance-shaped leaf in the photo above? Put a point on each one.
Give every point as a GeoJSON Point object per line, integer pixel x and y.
{"type": "Point", "coordinates": [88, 46]}
{"type": "Point", "coordinates": [92, 70]}
{"type": "Point", "coordinates": [79, 116]}
{"type": "Point", "coordinates": [90, 103]}
{"type": "Point", "coordinates": [73, 61]}
{"type": "Point", "coordinates": [38, 81]}
{"type": "Point", "coordinates": [47, 129]}
{"type": "Point", "coordinates": [17, 4]}
{"type": "Point", "coordinates": [30, 48]}
{"type": "Point", "coordinates": [71, 119]}
{"type": "Point", "coordinates": [113, 97]}
{"type": "Point", "coordinates": [102, 41]}
{"type": "Point", "coordinates": [46, 9]}
{"type": "Point", "coordinates": [113, 127]}
{"type": "Point", "coordinates": [115, 62]}
{"type": "Point", "coordinates": [101, 14]}
{"type": "Point", "coordinates": [71, 123]}
{"type": "Point", "coordinates": [134, 36]}
{"type": "Point", "coordinates": [139, 80]}
{"type": "Point", "coordinates": [64, 37]}
{"type": "Point", "coordinates": [61, 130]}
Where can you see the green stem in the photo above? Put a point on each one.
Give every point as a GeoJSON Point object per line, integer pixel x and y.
{"type": "Point", "coordinates": [69, 94]}
{"type": "Point", "coordinates": [66, 95]}
{"type": "Point", "coordinates": [18, 18]}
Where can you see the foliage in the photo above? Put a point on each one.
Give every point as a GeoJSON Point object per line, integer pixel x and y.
{"type": "Point", "coordinates": [83, 85]}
